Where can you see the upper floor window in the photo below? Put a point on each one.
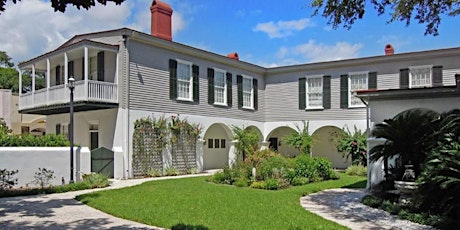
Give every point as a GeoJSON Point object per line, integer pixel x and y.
{"type": "Point", "coordinates": [314, 88]}
{"type": "Point", "coordinates": [183, 81]}
{"type": "Point", "coordinates": [357, 81]}
{"type": "Point", "coordinates": [420, 76]}
{"type": "Point", "coordinates": [247, 92]}
{"type": "Point", "coordinates": [220, 87]}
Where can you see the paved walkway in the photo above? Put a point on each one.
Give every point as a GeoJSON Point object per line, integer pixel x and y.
{"type": "Point", "coordinates": [62, 211]}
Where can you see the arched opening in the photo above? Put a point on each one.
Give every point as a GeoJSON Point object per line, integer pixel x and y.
{"type": "Point", "coordinates": [324, 146]}
{"type": "Point", "coordinates": [216, 146]}
{"type": "Point", "coordinates": [275, 139]}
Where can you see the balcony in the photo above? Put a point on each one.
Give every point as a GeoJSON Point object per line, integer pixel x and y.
{"type": "Point", "coordinates": [54, 100]}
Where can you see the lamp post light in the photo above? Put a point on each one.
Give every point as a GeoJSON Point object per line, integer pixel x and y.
{"type": "Point", "coordinates": [71, 86]}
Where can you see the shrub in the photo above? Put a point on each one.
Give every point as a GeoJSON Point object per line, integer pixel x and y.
{"type": "Point", "coordinates": [154, 173]}
{"type": "Point", "coordinates": [300, 181]}
{"type": "Point", "coordinates": [241, 182]}
{"type": "Point", "coordinates": [356, 170]}
{"type": "Point", "coordinates": [323, 167]}
{"type": "Point", "coordinates": [273, 168]}
{"type": "Point", "coordinates": [372, 201]}
{"type": "Point", "coordinates": [258, 185]}
{"type": "Point", "coordinates": [96, 180]}
{"type": "Point", "coordinates": [43, 177]}
{"type": "Point", "coordinates": [7, 181]}
{"type": "Point", "coordinates": [271, 184]}
{"type": "Point", "coordinates": [48, 140]}
{"type": "Point", "coordinates": [304, 167]}
{"type": "Point", "coordinates": [170, 171]}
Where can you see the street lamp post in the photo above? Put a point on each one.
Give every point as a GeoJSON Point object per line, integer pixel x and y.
{"type": "Point", "coordinates": [71, 86]}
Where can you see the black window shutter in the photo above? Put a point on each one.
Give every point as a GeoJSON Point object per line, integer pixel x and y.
{"type": "Point", "coordinates": [255, 87]}
{"type": "Point", "coordinates": [302, 93]}
{"type": "Point", "coordinates": [83, 68]}
{"type": "Point", "coordinates": [229, 89]}
{"type": "Point", "coordinates": [239, 82]}
{"type": "Point", "coordinates": [172, 79]}
{"type": "Point", "coordinates": [70, 67]}
{"type": "Point", "coordinates": [326, 92]}
{"type": "Point", "coordinates": [343, 91]}
{"type": "Point", "coordinates": [210, 86]}
{"type": "Point", "coordinates": [58, 129]}
{"type": "Point", "coordinates": [58, 75]}
{"type": "Point", "coordinates": [196, 83]}
{"type": "Point", "coordinates": [100, 66]}
{"type": "Point", "coordinates": [404, 78]}
{"type": "Point", "coordinates": [372, 80]}
{"type": "Point", "coordinates": [437, 76]}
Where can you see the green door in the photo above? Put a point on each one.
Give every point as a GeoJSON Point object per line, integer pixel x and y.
{"type": "Point", "coordinates": [102, 161]}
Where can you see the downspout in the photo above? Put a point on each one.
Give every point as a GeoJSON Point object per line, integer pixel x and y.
{"type": "Point", "coordinates": [368, 131]}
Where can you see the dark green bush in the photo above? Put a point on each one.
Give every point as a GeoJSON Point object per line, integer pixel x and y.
{"type": "Point", "coordinates": [273, 168]}
{"type": "Point", "coordinates": [304, 167]}
{"type": "Point", "coordinates": [372, 201]}
{"type": "Point", "coordinates": [241, 182]}
{"type": "Point", "coordinates": [324, 168]}
{"type": "Point", "coordinates": [300, 181]}
{"type": "Point", "coordinates": [356, 170]}
{"type": "Point", "coordinates": [48, 140]}
{"type": "Point", "coordinates": [271, 184]}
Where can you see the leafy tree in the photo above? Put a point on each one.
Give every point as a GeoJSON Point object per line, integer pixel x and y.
{"type": "Point", "coordinates": [4, 128]}
{"type": "Point", "coordinates": [424, 12]}
{"type": "Point", "coordinates": [248, 142]}
{"type": "Point", "coordinates": [352, 145]}
{"type": "Point", "coordinates": [60, 5]}
{"type": "Point", "coordinates": [5, 60]}
{"type": "Point", "coordinates": [301, 140]}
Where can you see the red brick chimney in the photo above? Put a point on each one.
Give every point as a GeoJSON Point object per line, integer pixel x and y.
{"type": "Point", "coordinates": [389, 50]}
{"type": "Point", "coordinates": [233, 56]}
{"type": "Point", "coordinates": [161, 20]}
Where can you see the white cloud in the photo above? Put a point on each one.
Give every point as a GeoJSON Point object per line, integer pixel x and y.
{"type": "Point", "coordinates": [30, 28]}
{"type": "Point", "coordinates": [318, 52]}
{"type": "Point", "coordinates": [283, 28]}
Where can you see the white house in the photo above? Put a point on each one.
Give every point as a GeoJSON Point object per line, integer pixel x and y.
{"type": "Point", "coordinates": [123, 75]}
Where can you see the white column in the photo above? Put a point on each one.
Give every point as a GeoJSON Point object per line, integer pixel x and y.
{"type": "Point", "coordinates": [33, 84]}
{"type": "Point", "coordinates": [66, 69]}
{"type": "Point", "coordinates": [199, 154]}
{"type": "Point", "coordinates": [20, 83]}
{"type": "Point", "coordinates": [86, 71]}
{"type": "Point", "coordinates": [264, 145]}
{"type": "Point", "coordinates": [48, 80]}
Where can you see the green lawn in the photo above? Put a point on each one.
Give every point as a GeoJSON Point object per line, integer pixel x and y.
{"type": "Point", "coordinates": [197, 203]}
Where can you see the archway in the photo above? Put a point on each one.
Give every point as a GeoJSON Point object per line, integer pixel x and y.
{"type": "Point", "coordinates": [324, 146]}
{"type": "Point", "coordinates": [275, 139]}
{"type": "Point", "coordinates": [216, 146]}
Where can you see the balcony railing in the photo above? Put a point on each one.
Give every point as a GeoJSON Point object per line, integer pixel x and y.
{"type": "Point", "coordinates": [97, 91]}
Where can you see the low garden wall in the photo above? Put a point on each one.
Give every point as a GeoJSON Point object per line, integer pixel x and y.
{"type": "Point", "coordinates": [28, 160]}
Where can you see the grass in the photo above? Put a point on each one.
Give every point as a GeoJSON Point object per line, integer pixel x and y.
{"type": "Point", "coordinates": [198, 204]}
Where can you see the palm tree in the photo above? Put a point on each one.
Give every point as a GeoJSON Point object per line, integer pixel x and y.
{"type": "Point", "coordinates": [409, 137]}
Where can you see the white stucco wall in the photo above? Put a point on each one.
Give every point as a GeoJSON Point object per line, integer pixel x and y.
{"type": "Point", "coordinates": [28, 159]}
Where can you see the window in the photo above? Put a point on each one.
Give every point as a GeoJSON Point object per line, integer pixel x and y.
{"type": "Point", "coordinates": [357, 81]}
{"type": "Point", "coordinates": [314, 88]}
{"type": "Point", "coordinates": [420, 76]}
{"type": "Point", "coordinates": [184, 81]}
{"type": "Point", "coordinates": [220, 87]}
{"type": "Point", "coordinates": [247, 93]}
{"type": "Point", "coordinates": [94, 135]}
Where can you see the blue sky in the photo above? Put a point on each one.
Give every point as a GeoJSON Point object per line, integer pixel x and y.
{"type": "Point", "coordinates": [267, 33]}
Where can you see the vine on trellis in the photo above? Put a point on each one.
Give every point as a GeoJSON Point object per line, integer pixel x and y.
{"type": "Point", "coordinates": [150, 138]}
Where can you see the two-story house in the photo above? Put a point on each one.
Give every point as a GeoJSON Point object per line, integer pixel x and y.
{"type": "Point", "coordinates": [123, 75]}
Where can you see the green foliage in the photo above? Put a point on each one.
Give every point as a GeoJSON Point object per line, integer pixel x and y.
{"type": "Point", "coordinates": [272, 168]}
{"type": "Point", "coordinates": [271, 184]}
{"type": "Point", "coordinates": [356, 170]}
{"type": "Point", "coordinates": [5, 60]}
{"type": "Point", "coordinates": [7, 180]}
{"type": "Point", "coordinates": [258, 185]}
{"type": "Point", "coordinates": [425, 12]}
{"type": "Point", "coordinates": [96, 180]}
{"type": "Point", "coordinates": [178, 127]}
{"type": "Point", "coordinates": [241, 182]}
{"type": "Point", "coordinates": [4, 129]}
{"type": "Point", "coordinates": [248, 142]}
{"type": "Point", "coordinates": [296, 181]}
{"type": "Point", "coordinates": [171, 171]}
{"type": "Point", "coordinates": [324, 168]}
{"type": "Point", "coordinates": [304, 167]}
{"type": "Point", "coordinates": [155, 173]}
{"type": "Point", "coordinates": [43, 177]}
{"type": "Point", "coordinates": [408, 138]}
{"type": "Point", "coordinates": [301, 140]}
{"type": "Point", "coordinates": [352, 145]}
{"type": "Point", "coordinates": [48, 140]}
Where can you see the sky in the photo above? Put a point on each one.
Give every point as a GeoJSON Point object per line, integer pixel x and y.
{"type": "Point", "coordinates": [267, 33]}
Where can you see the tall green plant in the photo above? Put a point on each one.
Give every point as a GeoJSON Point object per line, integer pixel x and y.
{"type": "Point", "coordinates": [248, 142]}
{"type": "Point", "coordinates": [408, 138]}
{"type": "Point", "coordinates": [352, 145]}
{"type": "Point", "coordinates": [301, 140]}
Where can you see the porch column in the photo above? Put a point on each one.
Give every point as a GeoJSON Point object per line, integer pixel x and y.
{"type": "Point", "coordinates": [20, 83]}
{"type": "Point", "coordinates": [48, 75]}
{"type": "Point", "coordinates": [86, 71]}
{"type": "Point", "coordinates": [33, 84]}
{"type": "Point", "coordinates": [66, 70]}
{"type": "Point", "coordinates": [232, 153]}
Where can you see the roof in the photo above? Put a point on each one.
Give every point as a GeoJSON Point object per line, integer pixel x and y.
{"type": "Point", "coordinates": [414, 93]}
